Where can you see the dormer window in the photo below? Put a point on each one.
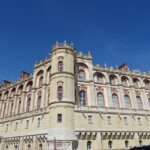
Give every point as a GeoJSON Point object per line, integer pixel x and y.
{"type": "Point", "coordinates": [135, 82]}
{"type": "Point", "coordinates": [60, 90]}
{"type": "Point", "coordinates": [124, 81]}
{"type": "Point", "coordinates": [113, 79]}
{"type": "Point", "coordinates": [147, 84]}
{"type": "Point", "coordinates": [81, 75]}
{"type": "Point", "coordinates": [60, 64]}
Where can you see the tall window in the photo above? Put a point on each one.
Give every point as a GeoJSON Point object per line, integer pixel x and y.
{"type": "Point", "coordinates": [39, 102]}
{"type": "Point", "coordinates": [109, 119]}
{"type": "Point", "coordinates": [82, 98]}
{"type": "Point", "coordinates": [16, 147]}
{"type": "Point", "coordinates": [139, 102]}
{"type": "Point", "coordinates": [125, 121]}
{"type": "Point", "coordinates": [109, 144]}
{"type": "Point", "coordinates": [100, 100]}
{"type": "Point", "coordinates": [139, 121]}
{"type": "Point", "coordinates": [90, 119]}
{"type": "Point", "coordinates": [29, 147]}
{"type": "Point", "coordinates": [16, 126]}
{"type": "Point", "coordinates": [60, 66]}
{"type": "Point", "coordinates": [59, 118]}
{"type": "Point", "coordinates": [19, 106]}
{"type": "Point", "coordinates": [40, 81]}
{"type": "Point", "coordinates": [126, 143]}
{"type": "Point", "coordinates": [127, 102]}
{"type": "Point", "coordinates": [4, 110]}
{"type": "Point", "coordinates": [28, 105]}
{"type": "Point", "coordinates": [115, 102]}
{"type": "Point", "coordinates": [89, 145]}
{"type": "Point", "coordinates": [40, 147]}
{"type": "Point", "coordinates": [81, 75]}
{"type": "Point", "coordinates": [60, 92]}
{"type": "Point", "coordinates": [140, 142]}
{"type": "Point", "coordinates": [149, 101]}
{"type": "Point", "coordinates": [11, 109]}
{"type": "Point", "coordinates": [27, 124]}
{"type": "Point", "coordinates": [39, 122]}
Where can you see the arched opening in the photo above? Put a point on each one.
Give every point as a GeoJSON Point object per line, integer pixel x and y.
{"type": "Point", "coordinates": [113, 79]}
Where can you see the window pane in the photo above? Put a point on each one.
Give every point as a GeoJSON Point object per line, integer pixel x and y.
{"type": "Point", "coordinates": [139, 102]}
{"type": "Point", "coordinates": [115, 101]}
{"type": "Point", "coordinates": [100, 100]}
{"type": "Point", "coordinates": [127, 102]}
{"type": "Point", "coordinates": [82, 97]}
{"type": "Point", "coordinates": [81, 75]}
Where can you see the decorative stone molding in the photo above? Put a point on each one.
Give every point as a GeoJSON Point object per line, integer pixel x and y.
{"type": "Point", "coordinates": [113, 90]}
{"type": "Point", "coordinates": [99, 89]}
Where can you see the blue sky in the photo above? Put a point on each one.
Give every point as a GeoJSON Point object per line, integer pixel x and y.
{"type": "Point", "coordinates": [114, 31]}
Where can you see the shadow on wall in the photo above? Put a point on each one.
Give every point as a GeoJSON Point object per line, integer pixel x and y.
{"type": "Point", "coordinates": [141, 148]}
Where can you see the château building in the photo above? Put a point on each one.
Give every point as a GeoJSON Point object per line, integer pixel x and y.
{"type": "Point", "coordinates": [68, 103]}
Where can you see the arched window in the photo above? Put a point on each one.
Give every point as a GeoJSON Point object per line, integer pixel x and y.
{"type": "Point", "coordinates": [100, 100]}
{"type": "Point", "coordinates": [82, 98]}
{"type": "Point", "coordinates": [60, 66]}
{"type": "Point", "coordinates": [127, 102]}
{"type": "Point", "coordinates": [139, 102]}
{"type": "Point", "coordinates": [39, 102]}
{"type": "Point", "coordinates": [126, 143]}
{"type": "Point", "coordinates": [124, 81]}
{"type": "Point", "coordinates": [28, 105]}
{"type": "Point", "coordinates": [115, 102]}
{"type": "Point", "coordinates": [89, 145]}
{"type": "Point", "coordinates": [109, 144]}
{"type": "Point", "coordinates": [81, 75]}
{"type": "Point", "coordinates": [41, 81]}
{"type": "Point", "coordinates": [60, 92]}
{"type": "Point", "coordinates": [135, 82]}
{"type": "Point", "coordinates": [100, 78]}
{"type": "Point", "coordinates": [112, 79]}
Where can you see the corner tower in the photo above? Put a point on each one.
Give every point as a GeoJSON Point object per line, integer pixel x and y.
{"type": "Point", "coordinates": [62, 93]}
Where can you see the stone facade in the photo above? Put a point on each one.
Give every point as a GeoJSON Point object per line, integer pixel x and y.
{"type": "Point", "coordinates": [70, 104]}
